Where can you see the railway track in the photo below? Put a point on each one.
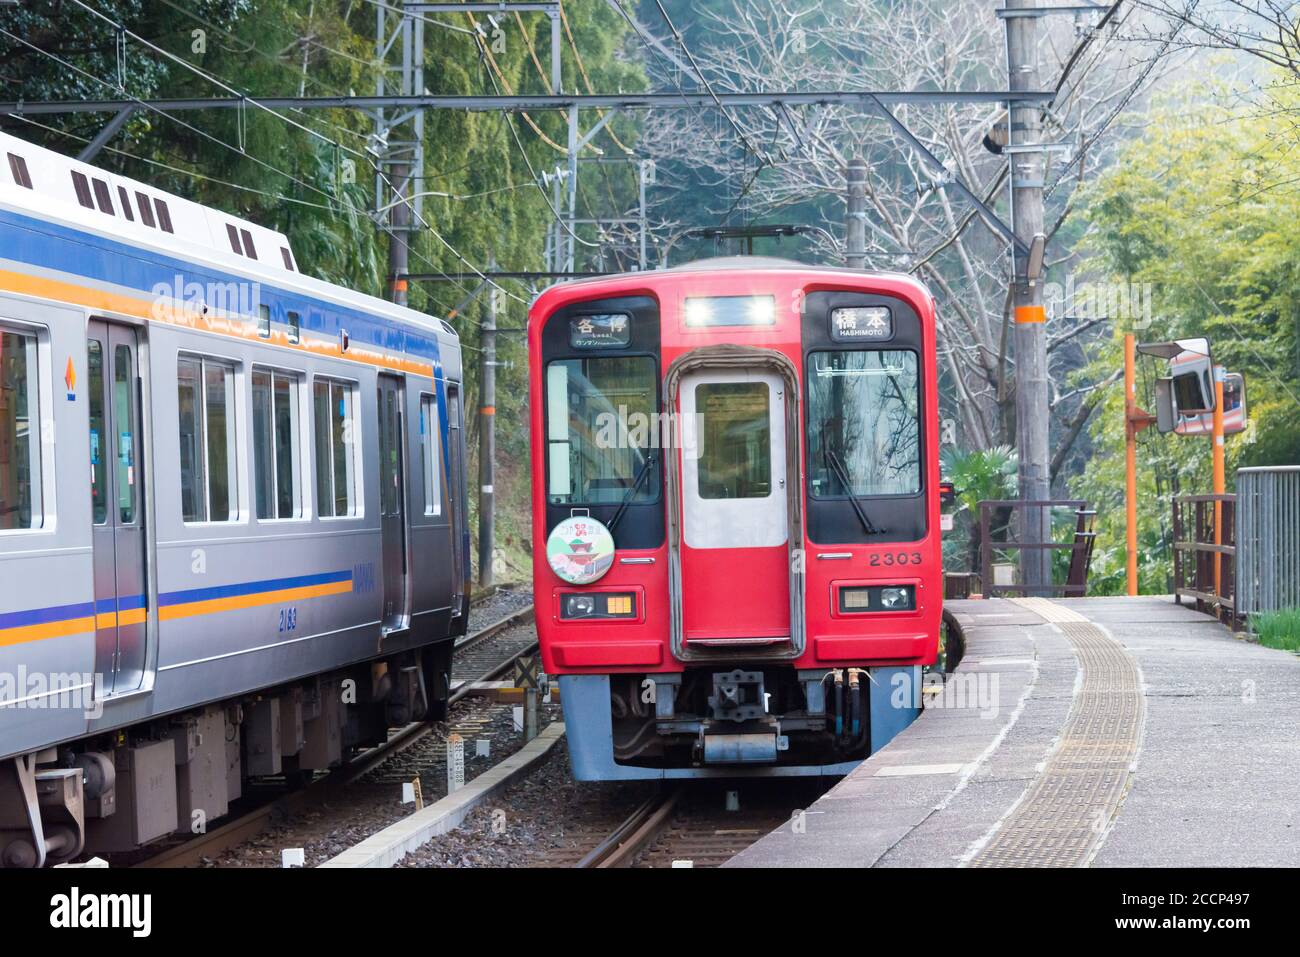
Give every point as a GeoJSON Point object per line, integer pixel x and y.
{"type": "Point", "coordinates": [481, 656]}
{"type": "Point", "coordinates": [700, 824]}
{"type": "Point", "coordinates": [490, 652]}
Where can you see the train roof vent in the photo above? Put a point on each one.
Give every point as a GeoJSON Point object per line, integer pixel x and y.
{"type": "Point", "coordinates": [18, 170]}
{"type": "Point", "coordinates": [45, 183]}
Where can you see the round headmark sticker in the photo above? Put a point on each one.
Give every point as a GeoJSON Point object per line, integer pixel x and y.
{"type": "Point", "coordinates": [580, 550]}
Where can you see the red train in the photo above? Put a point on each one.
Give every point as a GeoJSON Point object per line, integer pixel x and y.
{"type": "Point", "coordinates": [736, 478]}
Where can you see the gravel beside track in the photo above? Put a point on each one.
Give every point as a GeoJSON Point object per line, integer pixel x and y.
{"type": "Point", "coordinates": [550, 820]}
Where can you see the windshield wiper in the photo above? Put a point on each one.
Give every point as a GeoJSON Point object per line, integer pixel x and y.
{"type": "Point", "coordinates": [843, 475]}
{"type": "Point", "coordinates": [631, 492]}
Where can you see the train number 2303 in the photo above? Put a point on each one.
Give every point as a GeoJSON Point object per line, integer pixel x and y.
{"type": "Point", "coordinates": [895, 558]}
{"type": "Point", "coordinates": [288, 618]}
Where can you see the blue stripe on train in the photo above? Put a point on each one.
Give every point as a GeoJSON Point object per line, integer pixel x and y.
{"type": "Point", "coordinates": [43, 616]}
{"type": "Point", "coordinates": [51, 246]}
{"type": "Point", "coordinates": [126, 603]}
{"type": "Point", "coordinates": [251, 588]}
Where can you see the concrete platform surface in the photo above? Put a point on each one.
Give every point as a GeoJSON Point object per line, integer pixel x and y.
{"type": "Point", "coordinates": [1215, 780]}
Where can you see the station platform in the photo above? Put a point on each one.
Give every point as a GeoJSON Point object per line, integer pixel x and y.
{"type": "Point", "coordinates": [1100, 732]}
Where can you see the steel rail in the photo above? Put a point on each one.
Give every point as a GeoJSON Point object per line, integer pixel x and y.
{"type": "Point", "coordinates": [627, 840]}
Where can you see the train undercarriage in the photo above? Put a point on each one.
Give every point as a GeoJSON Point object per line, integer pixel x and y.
{"type": "Point", "coordinates": [733, 719]}
{"type": "Point", "coordinates": [121, 790]}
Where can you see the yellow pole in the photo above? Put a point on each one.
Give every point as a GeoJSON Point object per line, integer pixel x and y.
{"type": "Point", "coordinates": [1220, 483]}
{"type": "Point", "coordinates": [1130, 457]}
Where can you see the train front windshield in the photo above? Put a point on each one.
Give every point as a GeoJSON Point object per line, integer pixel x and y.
{"type": "Point", "coordinates": [863, 422]}
{"type": "Point", "coordinates": [601, 414]}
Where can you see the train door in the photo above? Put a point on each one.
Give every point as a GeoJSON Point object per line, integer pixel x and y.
{"type": "Point", "coordinates": [456, 496]}
{"type": "Point", "coordinates": [117, 505]}
{"type": "Point", "coordinates": [734, 510]}
{"type": "Point", "coordinates": [392, 500]}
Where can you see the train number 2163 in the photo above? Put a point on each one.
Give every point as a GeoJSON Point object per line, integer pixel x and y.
{"type": "Point", "coordinates": [288, 618]}
{"type": "Point", "coordinates": [896, 558]}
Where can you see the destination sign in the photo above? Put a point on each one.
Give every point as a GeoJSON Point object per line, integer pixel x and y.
{"type": "Point", "coordinates": [604, 331]}
{"type": "Point", "coordinates": [853, 323]}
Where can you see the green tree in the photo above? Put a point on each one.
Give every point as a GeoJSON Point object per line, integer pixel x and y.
{"type": "Point", "coordinates": [979, 475]}
{"type": "Point", "coordinates": [1203, 207]}
{"type": "Point", "coordinates": [308, 173]}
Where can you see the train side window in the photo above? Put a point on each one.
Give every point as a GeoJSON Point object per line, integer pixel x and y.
{"type": "Point", "coordinates": [335, 424]}
{"type": "Point", "coordinates": [288, 259]}
{"type": "Point", "coordinates": [249, 249]}
{"type": "Point", "coordinates": [98, 438]}
{"type": "Point", "coordinates": [146, 209]}
{"type": "Point", "coordinates": [295, 327]}
{"type": "Point", "coordinates": [103, 197]}
{"type": "Point", "coordinates": [20, 433]}
{"type": "Point", "coordinates": [431, 454]}
{"type": "Point", "coordinates": [18, 167]}
{"type": "Point", "coordinates": [233, 235]}
{"type": "Point", "coordinates": [205, 392]}
{"type": "Point", "coordinates": [276, 463]}
{"type": "Point", "coordinates": [125, 201]}
{"type": "Point", "coordinates": [164, 216]}
{"type": "Point", "coordinates": [124, 415]}
{"type": "Point", "coordinates": [82, 186]}
{"type": "Point", "coordinates": [264, 321]}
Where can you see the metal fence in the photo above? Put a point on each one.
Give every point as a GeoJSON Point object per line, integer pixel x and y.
{"type": "Point", "coordinates": [1268, 539]}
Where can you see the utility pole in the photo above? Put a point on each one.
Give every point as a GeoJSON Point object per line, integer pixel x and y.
{"type": "Point", "coordinates": [645, 169]}
{"type": "Point", "coordinates": [487, 438]}
{"type": "Point", "coordinates": [1030, 331]}
{"type": "Point", "coordinates": [399, 237]}
{"type": "Point", "coordinates": [1130, 465]}
{"type": "Point", "coordinates": [1220, 482]}
{"type": "Point", "coordinates": [1135, 420]}
{"type": "Point", "coordinates": [398, 137]}
{"type": "Point", "coordinates": [856, 221]}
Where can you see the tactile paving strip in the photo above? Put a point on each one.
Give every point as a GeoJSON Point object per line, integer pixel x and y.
{"type": "Point", "coordinates": [1066, 812]}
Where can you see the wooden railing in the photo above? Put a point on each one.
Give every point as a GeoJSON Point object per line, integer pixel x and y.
{"type": "Point", "coordinates": [1080, 547]}
{"type": "Point", "coordinates": [1203, 570]}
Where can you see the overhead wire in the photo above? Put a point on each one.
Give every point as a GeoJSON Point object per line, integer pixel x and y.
{"type": "Point", "coordinates": [193, 174]}
{"type": "Point", "coordinates": [549, 87]}
{"type": "Point", "coordinates": [141, 103]}
{"type": "Point", "coordinates": [582, 69]}
{"type": "Point", "coordinates": [486, 52]}
{"type": "Point", "coordinates": [536, 179]}
{"type": "Point", "coordinates": [761, 155]}
{"type": "Point", "coordinates": [243, 152]}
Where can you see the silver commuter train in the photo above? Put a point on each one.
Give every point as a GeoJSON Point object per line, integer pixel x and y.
{"type": "Point", "coordinates": [233, 539]}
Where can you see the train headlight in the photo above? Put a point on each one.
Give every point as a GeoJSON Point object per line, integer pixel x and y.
{"type": "Point", "coordinates": [896, 598]}
{"type": "Point", "coordinates": [857, 599]}
{"type": "Point", "coordinates": [703, 311]}
{"type": "Point", "coordinates": [574, 605]}
{"type": "Point", "coordinates": [698, 312]}
{"type": "Point", "coordinates": [579, 606]}
{"type": "Point", "coordinates": [762, 311]}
